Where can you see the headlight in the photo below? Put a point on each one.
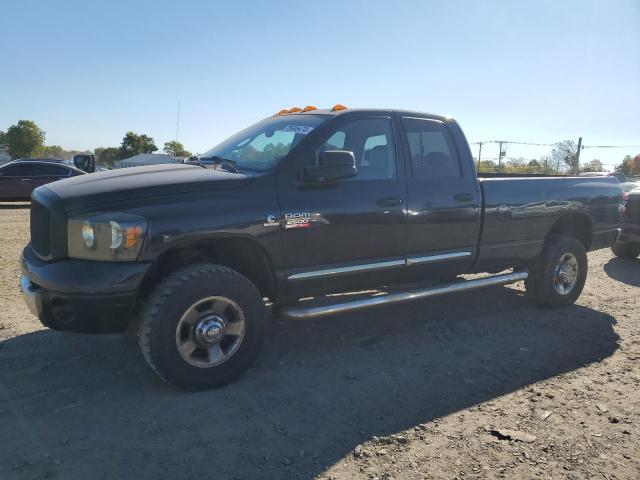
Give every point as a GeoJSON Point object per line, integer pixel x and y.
{"type": "Point", "coordinates": [106, 236]}
{"type": "Point", "coordinates": [88, 235]}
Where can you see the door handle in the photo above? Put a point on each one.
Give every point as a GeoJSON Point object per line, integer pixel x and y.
{"type": "Point", "coordinates": [389, 202]}
{"type": "Point", "coordinates": [463, 197]}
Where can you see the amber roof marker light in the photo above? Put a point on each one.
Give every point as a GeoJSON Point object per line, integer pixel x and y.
{"type": "Point", "coordinates": [295, 110]}
{"type": "Point", "coordinates": [309, 108]}
{"type": "Point", "coordinates": [337, 107]}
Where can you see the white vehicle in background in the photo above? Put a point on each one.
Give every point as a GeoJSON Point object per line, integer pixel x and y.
{"type": "Point", "coordinates": [620, 176]}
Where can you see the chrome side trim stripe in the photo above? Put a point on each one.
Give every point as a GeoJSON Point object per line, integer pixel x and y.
{"type": "Point", "coordinates": [328, 272]}
{"type": "Point", "coordinates": [436, 258]}
{"type": "Point", "coordinates": [303, 313]}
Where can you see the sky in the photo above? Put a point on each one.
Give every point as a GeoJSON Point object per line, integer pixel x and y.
{"type": "Point", "coordinates": [527, 71]}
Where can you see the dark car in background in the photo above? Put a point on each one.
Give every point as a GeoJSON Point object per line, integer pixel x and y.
{"type": "Point", "coordinates": [20, 177]}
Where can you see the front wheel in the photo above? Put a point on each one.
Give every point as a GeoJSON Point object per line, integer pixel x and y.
{"type": "Point", "coordinates": [202, 326]}
{"type": "Point", "coordinates": [626, 251]}
{"type": "Point", "coordinates": [557, 278]}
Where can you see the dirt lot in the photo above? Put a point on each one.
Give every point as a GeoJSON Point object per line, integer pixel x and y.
{"type": "Point", "coordinates": [422, 391]}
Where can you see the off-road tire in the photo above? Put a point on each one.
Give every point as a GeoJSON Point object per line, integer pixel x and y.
{"type": "Point", "coordinates": [626, 251]}
{"type": "Point", "coordinates": [540, 284]}
{"type": "Point", "coordinates": [166, 305]}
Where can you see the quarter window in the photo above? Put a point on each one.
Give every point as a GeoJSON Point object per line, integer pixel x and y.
{"type": "Point", "coordinates": [433, 154]}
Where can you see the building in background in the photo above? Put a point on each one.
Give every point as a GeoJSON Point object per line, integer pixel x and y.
{"type": "Point", "coordinates": [143, 159]}
{"type": "Point", "coordinates": [4, 155]}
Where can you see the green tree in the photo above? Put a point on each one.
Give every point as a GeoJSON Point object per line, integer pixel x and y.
{"type": "Point", "coordinates": [594, 165]}
{"type": "Point", "coordinates": [24, 139]}
{"type": "Point", "coordinates": [52, 151]}
{"type": "Point", "coordinates": [175, 149]}
{"type": "Point", "coordinates": [107, 156]}
{"type": "Point", "coordinates": [134, 144]}
{"type": "Point", "coordinates": [488, 166]}
{"type": "Point", "coordinates": [535, 164]}
{"type": "Point", "coordinates": [628, 165]}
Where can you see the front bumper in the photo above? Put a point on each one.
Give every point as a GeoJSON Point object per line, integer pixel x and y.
{"type": "Point", "coordinates": [81, 295]}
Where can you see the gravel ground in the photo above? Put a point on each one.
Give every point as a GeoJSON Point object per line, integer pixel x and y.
{"type": "Point", "coordinates": [480, 385]}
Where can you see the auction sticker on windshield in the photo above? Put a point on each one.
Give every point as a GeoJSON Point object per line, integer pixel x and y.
{"type": "Point", "coordinates": [301, 129]}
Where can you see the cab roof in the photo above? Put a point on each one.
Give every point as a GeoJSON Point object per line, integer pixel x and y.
{"type": "Point", "coordinates": [373, 111]}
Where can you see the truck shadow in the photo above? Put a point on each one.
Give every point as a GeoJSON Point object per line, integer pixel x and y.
{"type": "Point", "coordinates": [14, 206]}
{"type": "Point", "coordinates": [79, 406]}
{"type": "Point", "coordinates": [625, 271]}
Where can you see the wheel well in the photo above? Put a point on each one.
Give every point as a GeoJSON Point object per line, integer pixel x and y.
{"type": "Point", "coordinates": [574, 225]}
{"type": "Point", "coordinates": [241, 254]}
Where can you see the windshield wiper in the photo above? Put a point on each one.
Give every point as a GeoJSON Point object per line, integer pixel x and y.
{"type": "Point", "coordinates": [225, 163]}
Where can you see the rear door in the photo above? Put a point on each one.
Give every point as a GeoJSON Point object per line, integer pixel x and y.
{"type": "Point", "coordinates": [350, 233]}
{"type": "Point", "coordinates": [16, 181]}
{"type": "Point", "coordinates": [443, 223]}
{"type": "Point", "coordinates": [45, 173]}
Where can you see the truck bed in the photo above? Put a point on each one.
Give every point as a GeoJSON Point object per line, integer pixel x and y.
{"type": "Point", "coordinates": [523, 209]}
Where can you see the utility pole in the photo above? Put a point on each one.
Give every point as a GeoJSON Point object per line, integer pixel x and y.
{"type": "Point", "coordinates": [500, 155]}
{"type": "Point", "coordinates": [479, 155]}
{"type": "Point", "coordinates": [578, 156]}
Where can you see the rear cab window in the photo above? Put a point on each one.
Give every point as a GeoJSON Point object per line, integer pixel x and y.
{"type": "Point", "coordinates": [432, 152]}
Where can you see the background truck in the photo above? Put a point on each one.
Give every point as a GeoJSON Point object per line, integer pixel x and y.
{"type": "Point", "coordinates": [301, 204]}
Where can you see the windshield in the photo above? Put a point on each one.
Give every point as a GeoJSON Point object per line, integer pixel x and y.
{"type": "Point", "coordinates": [262, 145]}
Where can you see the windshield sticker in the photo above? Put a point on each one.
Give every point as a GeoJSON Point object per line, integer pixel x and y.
{"type": "Point", "coordinates": [301, 129]}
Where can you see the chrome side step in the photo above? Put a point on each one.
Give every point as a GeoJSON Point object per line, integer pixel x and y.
{"type": "Point", "coordinates": [306, 313]}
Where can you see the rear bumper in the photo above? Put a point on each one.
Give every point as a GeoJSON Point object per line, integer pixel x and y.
{"type": "Point", "coordinates": [630, 234]}
{"type": "Point", "coordinates": [81, 295]}
{"type": "Point", "coordinates": [604, 238]}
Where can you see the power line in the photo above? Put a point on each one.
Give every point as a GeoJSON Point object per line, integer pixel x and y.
{"type": "Point", "coordinates": [515, 143]}
{"type": "Point", "coordinates": [611, 146]}
{"type": "Point", "coordinates": [550, 144]}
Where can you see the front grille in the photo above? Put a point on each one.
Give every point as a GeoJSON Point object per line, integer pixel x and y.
{"type": "Point", "coordinates": [48, 225]}
{"type": "Point", "coordinates": [633, 209]}
{"type": "Point", "coordinates": [40, 229]}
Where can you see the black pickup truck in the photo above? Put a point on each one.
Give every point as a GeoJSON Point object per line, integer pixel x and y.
{"type": "Point", "coordinates": [302, 204]}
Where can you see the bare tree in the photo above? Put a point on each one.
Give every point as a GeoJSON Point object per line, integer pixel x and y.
{"type": "Point", "coordinates": [564, 154]}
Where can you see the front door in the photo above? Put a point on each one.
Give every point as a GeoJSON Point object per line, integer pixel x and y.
{"type": "Point", "coordinates": [348, 234]}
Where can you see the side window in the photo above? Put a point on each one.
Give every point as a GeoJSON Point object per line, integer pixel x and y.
{"type": "Point", "coordinates": [22, 170]}
{"type": "Point", "coordinates": [52, 171]}
{"type": "Point", "coordinates": [334, 142]}
{"type": "Point", "coordinates": [372, 143]}
{"type": "Point", "coordinates": [433, 154]}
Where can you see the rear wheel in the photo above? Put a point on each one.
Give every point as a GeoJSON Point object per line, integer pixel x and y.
{"type": "Point", "coordinates": [202, 326]}
{"type": "Point", "coordinates": [626, 251]}
{"type": "Point", "coordinates": [557, 278]}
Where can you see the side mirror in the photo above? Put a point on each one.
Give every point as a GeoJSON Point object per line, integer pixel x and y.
{"type": "Point", "coordinates": [333, 165]}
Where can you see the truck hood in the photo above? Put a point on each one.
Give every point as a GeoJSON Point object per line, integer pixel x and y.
{"type": "Point", "coordinates": [100, 188]}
